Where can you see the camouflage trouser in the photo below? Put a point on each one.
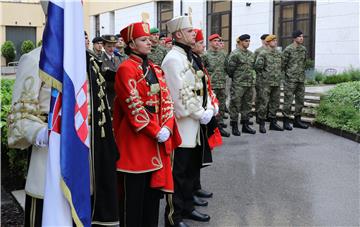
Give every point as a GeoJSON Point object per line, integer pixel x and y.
{"type": "Point", "coordinates": [258, 87]}
{"type": "Point", "coordinates": [221, 96]}
{"type": "Point", "coordinates": [291, 89]}
{"type": "Point", "coordinates": [240, 102]}
{"type": "Point", "coordinates": [269, 96]}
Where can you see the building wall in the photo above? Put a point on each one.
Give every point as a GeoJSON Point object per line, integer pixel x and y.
{"type": "Point", "coordinates": [337, 35]}
{"type": "Point", "coordinates": [126, 16]}
{"type": "Point", "coordinates": [26, 14]}
{"type": "Point", "coordinates": [198, 8]}
{"type": "Point", "coordinates": [105, 27]}
{"type": "Point", "coordinates": [254, 20]}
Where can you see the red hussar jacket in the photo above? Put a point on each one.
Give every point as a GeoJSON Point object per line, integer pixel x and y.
{"type": "Point", "coordinates": [214, 139]}
{"type": "Point", "coordinates": [141, 109]}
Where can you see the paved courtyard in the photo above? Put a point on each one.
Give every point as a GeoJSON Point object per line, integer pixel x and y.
{"type": "Point", "coordinates": [298, 178]}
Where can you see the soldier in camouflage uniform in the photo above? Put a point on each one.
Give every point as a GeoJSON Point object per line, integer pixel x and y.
{"type": "Point", "coordinates": [258, 76]}
{"type": "Point", "coordinates": [97, 48]}
{"type": "Point", "coordinates": [240, 69]}
{"type": "Point", "coordinates": [158, 52]}
{"type": "Point", "coordinates": [268, 64]}
{"type": "Point", "coordinates": [214, 62]}
{"type": "Point", "coordinates": [120, 49]}
{"type": "Point", "coordinates": [294, 57]}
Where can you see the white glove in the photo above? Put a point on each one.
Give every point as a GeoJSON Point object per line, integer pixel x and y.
{"type": "Point", "coordinates": [216, 109]}
{"type": "Point", "coordinates": [163, 135]}
{"type": "Point", "coordinates": [42, 138]}
{"type": "Point", "coordinates": [206, 117]}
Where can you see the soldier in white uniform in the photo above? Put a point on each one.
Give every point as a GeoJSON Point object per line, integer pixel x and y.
{"type": "Point", "coordinates": [192, 106]}
{"type": "Point", "coordinates": [28, 127]}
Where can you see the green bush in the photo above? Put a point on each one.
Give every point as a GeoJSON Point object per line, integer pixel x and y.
{"type": "Point", "coordinates": [346, 76]}
{"type": "Point", "coordinates": [8, 51]}
{"type": "Point", "coordinates": [27, 46]}
{"type": "Point", "coordinates": [17, 158]}
{"type": "Point", "coordinates": [319, 77]}
{"type": "Point", "coordinates": [340, 108]}
{"type": "Point", "coordinates": [39, 43]}
{"type": "Point", "coordinates": [310, 82]}
{"type": "Point", "coordinates": [309, 64]}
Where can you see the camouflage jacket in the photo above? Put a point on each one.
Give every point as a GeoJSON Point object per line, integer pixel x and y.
{"type": "Point", "coordinates": [157, 54]}
{"type": "Point", "coordinates": [258, 50]}
{"type": "Point", "coordinates": [294, 63]}
{"type": "Point", "coordinates": [240, 67]}
{"type": "Point", "coordinates": [256, 53]}
{"type": "Point", "coordinates": [268, 64]}
{"type": "Point", "coordinates": [214, 62]}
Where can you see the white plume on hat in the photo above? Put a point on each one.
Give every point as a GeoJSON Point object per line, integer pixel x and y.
{"type": "Point", "coordinates": [179, 23]}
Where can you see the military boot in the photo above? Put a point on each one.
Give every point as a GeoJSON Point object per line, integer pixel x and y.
{"type": "Point", "coordinates": [235, 130]}
{"type": "Point", "coordinates": [223, 125]}
{"type": "Point", "coordinates": [299, 124]}
{"type": "Point", "coordinates": [274, 125]}
{"type": "Point", "coordinates": [257, 119]}
{"type": "Point", "coordinates": [262, 126]}
{"type": "Point", "coordinates": [287, 125]}
{"type": "Point", "coordinates": [246, 128]}
{"type": "Point", "coordinates": [248, 122]}
{"type": "Point", "coordinates": [223, 132]}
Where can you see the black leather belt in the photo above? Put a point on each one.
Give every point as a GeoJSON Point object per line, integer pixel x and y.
{"type": "Point", "coordinates": [152, 109]}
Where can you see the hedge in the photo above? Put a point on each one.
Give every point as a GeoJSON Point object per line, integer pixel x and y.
{"type": "Point", "coordinates": [340, 107]}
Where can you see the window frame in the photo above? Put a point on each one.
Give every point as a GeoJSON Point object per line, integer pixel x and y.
{"type": "Point", "coordinates": [295, 22]}
{"type": "Point", "coordinates": [210, 13]}
{"type": "Point", "coordinates": [160, 21]}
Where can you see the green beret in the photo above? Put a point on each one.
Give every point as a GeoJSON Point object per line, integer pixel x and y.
{"type": "Point", "coordinates": [154, 30]}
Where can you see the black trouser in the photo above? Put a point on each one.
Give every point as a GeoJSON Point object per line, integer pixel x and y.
{"type": "Point", "coordinates": [33, 211]}
{"type": "Point", "coordinates": [186, 168]}
{"type": "Point", "coordinates": [141, 203]}
{"type": "Point", "coordinates": [197, 182]}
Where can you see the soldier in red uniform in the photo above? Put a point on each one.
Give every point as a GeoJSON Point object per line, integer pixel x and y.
{"type": "Point", "coordinates": [145, 130]}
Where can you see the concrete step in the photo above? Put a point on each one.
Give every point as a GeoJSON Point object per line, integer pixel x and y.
{"type": "Point", "coordinates": [19, 195]}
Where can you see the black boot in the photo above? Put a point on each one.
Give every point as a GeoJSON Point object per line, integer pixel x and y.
{"type": "Point", "coordinates": [249, 122]}
{"type": "Point", "coordinates": [262, 126]}
{"type": "Point", "coordinates": [274, 125]}
{"type": "Point", "coordinates": [223, 132]}
{"type": "Point", "coordinates": [246, 128]}
{"type": "Point", "coordinates": [287, 125]}
{"type": "Point", "coordinates": [299, 124]}
{"type": "Point", "coordinates": [222, 125]}
{"type": "Point", "coordinates": [257, 119]}
{"type": "Point", "coordinates": [235, 130]}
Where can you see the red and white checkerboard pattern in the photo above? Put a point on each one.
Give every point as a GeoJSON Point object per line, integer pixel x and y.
{"type": "Point", "coordinates": [81, 115]}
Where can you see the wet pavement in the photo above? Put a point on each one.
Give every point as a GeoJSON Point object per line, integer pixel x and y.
{"type": "Point", "coordinates": [297, 178]}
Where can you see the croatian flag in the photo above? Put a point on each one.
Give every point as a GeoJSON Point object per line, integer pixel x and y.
{"type": "Point", "coordinates": [63, 66]}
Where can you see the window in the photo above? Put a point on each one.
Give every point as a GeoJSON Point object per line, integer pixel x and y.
{"type": "Point", "coordinates": [290, 16]}
{"type": "Point", "coordinates": [219, 21]}
{"type": "Point", "coordinates": [164, 14]}
{"type": "Point", "coordinates": [97, 26]}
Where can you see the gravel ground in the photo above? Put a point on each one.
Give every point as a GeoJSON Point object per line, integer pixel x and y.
{"type": "Point", "coordinates": [11, 212]}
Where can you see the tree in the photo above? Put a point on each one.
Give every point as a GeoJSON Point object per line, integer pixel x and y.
{"type": "Point", "coordinates": [8, 51]}
{"type": "Point", "coordinates": [27, 46]}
